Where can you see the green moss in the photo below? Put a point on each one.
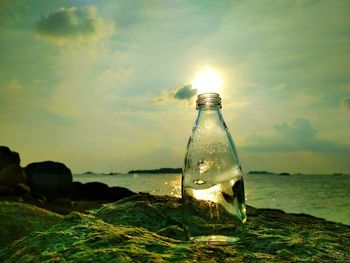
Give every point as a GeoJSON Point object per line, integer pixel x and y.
{"type": "Point", "coordinates": [138, 229]}
{"type": "Point", "coordinates": [18, 220]}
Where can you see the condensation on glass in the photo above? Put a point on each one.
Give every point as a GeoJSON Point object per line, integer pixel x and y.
{"type": "Point", "coordinates": [212, 182]}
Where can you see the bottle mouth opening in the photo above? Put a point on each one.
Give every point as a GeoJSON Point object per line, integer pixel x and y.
{"type": "Point", "coordinates": [209, 100]}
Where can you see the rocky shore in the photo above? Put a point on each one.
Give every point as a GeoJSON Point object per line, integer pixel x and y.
{"type": "Point", "coordinates": [46, 217]}
{"type": "Point", "coordinates": [49, 185]}
{"type": "Point", "coordinates": [146, 228]}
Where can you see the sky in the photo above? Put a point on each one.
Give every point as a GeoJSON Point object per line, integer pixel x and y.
{"type": "Point", "coordinates": [106, 85]}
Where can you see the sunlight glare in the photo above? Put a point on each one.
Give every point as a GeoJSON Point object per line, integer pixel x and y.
{"type": "Point", "coordinates": [212, 194]}
{"type": "Point", "coordinates": [207, 80]}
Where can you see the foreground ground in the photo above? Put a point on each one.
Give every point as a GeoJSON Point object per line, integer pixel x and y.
{"type": "Point", "coordinates": [146, 228]}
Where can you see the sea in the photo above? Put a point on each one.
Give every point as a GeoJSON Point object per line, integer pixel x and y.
{"type": "Point", "coordinates": [324, 196]}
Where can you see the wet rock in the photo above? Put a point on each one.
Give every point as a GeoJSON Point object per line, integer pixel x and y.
{"type": "Point", "coordinates": [11, 175]}
{"type": "Point", "coordinates": [52, 179]}
{"type": "Point", "coordinates": [6, 191]}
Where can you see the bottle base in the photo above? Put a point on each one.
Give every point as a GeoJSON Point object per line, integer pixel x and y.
{"type": "Point", "coordinates": [217, 240]}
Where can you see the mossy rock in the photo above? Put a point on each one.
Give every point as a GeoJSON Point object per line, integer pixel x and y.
{"type": "Point", "coordinates": [143, 210]}
{"type": "Point", "coordinates": [137, 229]}
{"type": "Point", "coordinates": [18, 220]}
{"type": "Point", "coordinates": [84, 238]}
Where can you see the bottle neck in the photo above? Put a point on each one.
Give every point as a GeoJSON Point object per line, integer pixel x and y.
{"type": "Point", "coordinates": [206, 108]}
{"type": "Point", "coordinates": [208, 101]}
{"type": "Point", "coordinates": [209, 113]}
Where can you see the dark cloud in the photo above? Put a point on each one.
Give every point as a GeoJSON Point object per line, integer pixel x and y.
{"type": "Point", "coordinates": [297, 136]}
{"type": "Point", "coordinates": [185, 93]}
{"type": "Point", "coordinates": [346, 103]}
{"type": "Point", "coordinates": [68, 22]}
{"type": "Point", "coordinates": [72, 24]}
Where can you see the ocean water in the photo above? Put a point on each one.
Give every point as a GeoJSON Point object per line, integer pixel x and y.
{"type": "Point", "coordinates": [325, 196]}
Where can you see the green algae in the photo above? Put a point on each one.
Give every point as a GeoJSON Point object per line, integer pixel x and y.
{"type": "Point", "coordinates": [146, 228]}
{"type": "Point", "coordinates": [18, 220]}
{"type": "Point", "coordinates": [85, 238]}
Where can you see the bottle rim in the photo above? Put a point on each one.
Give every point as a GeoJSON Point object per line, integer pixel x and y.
{"type": "Point", "coordinates": [209, 100]}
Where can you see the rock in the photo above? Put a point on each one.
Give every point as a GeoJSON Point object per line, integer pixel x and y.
{"type": "Point", "coordinates": [52, 179]}
{"type": "Point", "coordinates": [94, 191]}
{"type": "Point", "coordinates": [7, 157]}
{"type": "Point", "coordinates": [125, 231]}
{"type": "Point", "coordinates": [144, 210]}
{"type": "Point", "coordinates": [18, 220]}
{"type": "Point", "coordinates": [21, 189]}
{"type": "Point", "coordinates": [28, 198]}
{"type": "Point", "coordinates": [62, 202]}
{"type": "Point", "coordinates": [6, 191]}
{"type": "Point", "coordinates": [116, 193]}
{"type": "Point", "coordinates": [39, 197]}
{"type": "Point", "coordinates": [83, 238]}
{"type": "Point", "coordinates": [172, 231]}
{"type": "Point", "coordinates": [12, 175]}
{"type": "Point", "coordinates": [12, 198]}
{"type": "Point", "coordinates": [11, 172]}
{"type": "Point", "coordinates": [76, 190]}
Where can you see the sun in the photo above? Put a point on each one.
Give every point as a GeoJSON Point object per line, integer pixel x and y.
{"type": "Point", "coordinates": [207, 80]}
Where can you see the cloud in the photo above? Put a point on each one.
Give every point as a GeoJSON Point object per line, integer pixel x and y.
{"type": "Point", "coordinates": [185, 93]}
{"type": "Point", "coordinates": [295, 137]}
{"type": "Point", "coordinates": [346, 103]}
{"type": "Point", "coordinates": [70, 25]}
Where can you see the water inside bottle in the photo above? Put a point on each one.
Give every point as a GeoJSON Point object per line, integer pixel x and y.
{"type": "Point", "coordinates": [229, 194]}
{"type": "Point", "coordinates": [218, 204]}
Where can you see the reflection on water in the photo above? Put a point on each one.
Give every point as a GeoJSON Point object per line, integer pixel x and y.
{"type": "Point", "coordinates": [324, 196]}
{"type": "Point", "coordinates": [157, 184]}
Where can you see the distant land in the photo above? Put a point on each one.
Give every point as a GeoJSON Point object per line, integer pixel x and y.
{"type": "Point", "coordinates": [260, 172]}
{"type": "Point", "coordinates": [266, 172]}
{"type": "Point", "coordinates": [110, 173]}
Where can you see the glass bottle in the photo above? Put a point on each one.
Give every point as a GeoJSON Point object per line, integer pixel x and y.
{"type": "Point", "coordinates": [212, 182]}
